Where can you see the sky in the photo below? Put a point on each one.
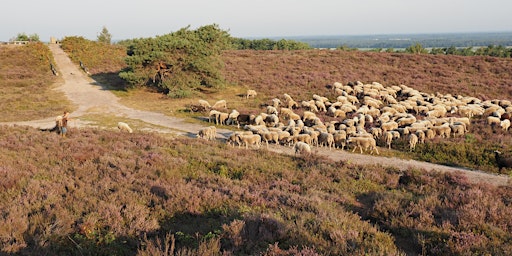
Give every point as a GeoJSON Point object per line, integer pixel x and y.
{"type": "Point", "coordinates": [130, 19]}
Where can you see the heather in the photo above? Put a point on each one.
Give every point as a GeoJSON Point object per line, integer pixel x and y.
{"type": "Point", "coordinates": [26, 80]}
{"type": "Point", "coordinates": [99, 193]}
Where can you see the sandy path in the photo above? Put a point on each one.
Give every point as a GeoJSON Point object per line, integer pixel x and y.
{"type": "Point", "coordinates": [93, 98]}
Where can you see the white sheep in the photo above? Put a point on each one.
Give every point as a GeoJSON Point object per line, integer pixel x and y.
{"type": "Point", "coordinates": [302, 148]}
{"type": "Point", "coordinates": [364, 143]}
{"type": "Point", "coordinates": [253, 139]}
{"type": "Point", "coordinates": [505, 124]}
{"type": "Point", "coordinates": [413, 140]}
{"type": "Point", "coordinates": [326, 139]}
{"type": "Point", "coordinates": [251, 93]}
{"type": "Point", "coordinates": [207, 133]}
{"type": "Point", "coordinates": [221, 104]}
{"type": "Point", "coordinates": [124, 127]}
{"type": "Point", "coordinates": [204, 104]}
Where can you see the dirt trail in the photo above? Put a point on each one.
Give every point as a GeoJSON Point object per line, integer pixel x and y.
{"type": "Point", "coordinates": [91, 97]}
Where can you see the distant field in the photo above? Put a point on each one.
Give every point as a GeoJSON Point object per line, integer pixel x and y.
{"type": "Point", "coordinates": [397, 41]}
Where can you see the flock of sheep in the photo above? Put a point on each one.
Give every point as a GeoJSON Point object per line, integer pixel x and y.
{"type": "Point", "coordinates": [361, 115]}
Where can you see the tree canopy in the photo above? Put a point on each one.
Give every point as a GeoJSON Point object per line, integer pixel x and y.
{"type": "Point", "coordinates": [105, 36]}
{"type": "Point", "coordinates": [179, 62]}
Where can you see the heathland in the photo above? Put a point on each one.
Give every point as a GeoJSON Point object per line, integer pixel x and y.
{"type": "Point", "coordinates": [100, 192]}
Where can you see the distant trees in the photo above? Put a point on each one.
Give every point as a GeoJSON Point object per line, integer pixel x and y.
{"type": "Point", "coordinates": [25, 37]}
{"type": "Point", "coordinates": [179, 62]}
{"type": "Point", "coordinates": [491, 50]}
{"type": "Point", "coordinates": [416, 49]}
{"type": "Point", "coordinates": [268, 44]}
{"type": "Point", "coordinates": [105, 36]}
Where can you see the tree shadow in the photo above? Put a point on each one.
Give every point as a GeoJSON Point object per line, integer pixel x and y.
{"type": "Point", "coordinates": [109, 81]}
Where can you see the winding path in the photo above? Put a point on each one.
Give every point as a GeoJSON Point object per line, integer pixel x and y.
{"type": "Point", "coordinates": [90, 97]}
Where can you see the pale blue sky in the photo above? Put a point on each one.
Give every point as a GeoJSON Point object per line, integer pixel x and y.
{"type": "Point", "coordinates": [264, 18]}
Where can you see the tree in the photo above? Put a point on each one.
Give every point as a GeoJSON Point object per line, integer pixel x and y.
{"type": "Point", "coordinates": [416, 49]}
{"type": "Point", "coordinates": [179, 62]}
{"type": "Point", "coordinates": [104, 36]}
{"type": "Point", "coordinates": [25, 37]}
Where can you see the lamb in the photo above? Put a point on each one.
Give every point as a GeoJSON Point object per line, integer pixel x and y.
{"type": "Point", "coordinates": [124, 127]}
{"type": "Point", "coordinates": [251, 93]}
{"type": "Point", "coordinates": [364, 142]}
{"type": "Point", "coordinates": [302, 148]}
{"type": "Point", "coordinates": [503, 162]}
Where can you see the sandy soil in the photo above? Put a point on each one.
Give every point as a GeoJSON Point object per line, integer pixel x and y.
{"type": "Point", "coordinates": [92, 98]}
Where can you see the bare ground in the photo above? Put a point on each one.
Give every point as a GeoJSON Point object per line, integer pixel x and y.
{"type": "Point", "coordinates": [92, 98]}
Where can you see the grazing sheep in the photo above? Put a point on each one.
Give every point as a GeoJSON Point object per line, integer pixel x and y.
{"type": "Point", "coordinates": [326, 139]}
{"type": "Point", "coordinates": [389, 136]}
{"type": "Point", "coordinates": [505, 124]}
{"type": "Point", "coordinates": [204, 104]}
{"type": "Point", "coordinates": [213, 116]}
{"type": "Point", "coordinates": [124, 127]}
{"type": "Point", "coordinates": [340, 139]}
{"type": "Point", "coordinates": [253, 139]}
{"type": "Point", "coordinates": [492, 120]}
{"type": "Point", "coordinates": [302, 148]}
{"type": "Point", "coordinates": [221, 104]}
{"type": "Point", "coordinates": [502, 161]}
{"type": "Point", "coordinates": [421, 136]}
{"type": "Point", "coordinates": [276, 102]}
{"type": "Point", "coordinates": [272, 110]}
{"type": "Point", "coordinates": [251, 93]}
{"type": "Point", "coordinates": [207, 133]}
{"type": "Point", "coordinates": [269, 136]}
{"type": "Point", "coordinates": [364, 143]}
{"type": "Point", "coordinates": [413, 140]}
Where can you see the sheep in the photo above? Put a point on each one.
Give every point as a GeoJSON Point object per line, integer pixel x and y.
{"type": "Point", "coordinates": [233, 118]}
{"type": "Point", "coordinates": [222, 118]}
{"type": "Point", "coordinates": [364, 142]}
{"type": "Point", "coordinates": [389, 136]}
{"type": "Point", "coordinates": [213, 116]}
{"type": "Point", "coordinates": [340, 138]}
{"type": "Point", "coordinates": [253, 139]}
{"type": "Point", "coordinates": [505, 124]}
{"type": "Point", "coordinates": [503, 162]}
{"type": "Point", "coordinates": [272, 110]}
{"type": "Point", "coordinates": [421, 136]}
{"type": "Point", "coordinates": [204, 104]}
{"type": "Point", "coordinates": [458, 129]}
{"type": "Point", "coordinates": [269, 136]}
{"type": "Point", "coordinates": [326, 139]}
{"type": "Point", "coordinates": [207, 133]}
{"type": "Point", "coordinates": [413, 140]}
{"type": "Point", "coordinates": [124, 127]}
{"type": "Point", "coordinates": [442, 131]}
{"type": "Point", "coordinates": [221, 104]}
{"type": "Point", "coordinates": [276, 102]}
{"type": "Point", "coordinates": [251, 93]}
{"type": "Point", "coordinates": [302, 148]}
